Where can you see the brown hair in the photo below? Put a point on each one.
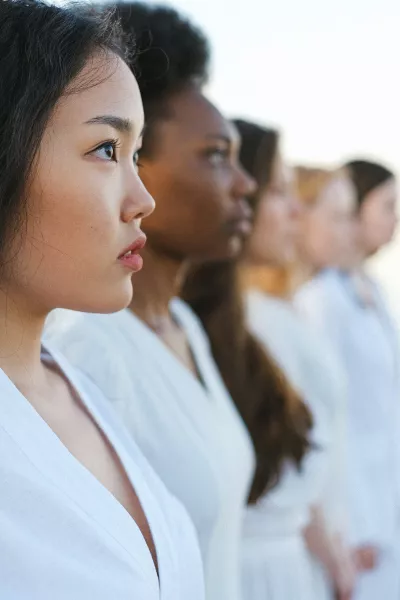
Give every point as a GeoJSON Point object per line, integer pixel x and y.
{"type": "Point", "coordinates": [277, 419]}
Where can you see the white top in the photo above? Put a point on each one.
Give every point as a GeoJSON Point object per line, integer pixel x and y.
{"type": "Point", "coordinates": [286, 509]}
{"type": "Point", "coordinates": [365, 339]}
{"type": "Point", "coordinates": [189, 431]}
{"type": "Point", "coordinates": [63, 535]}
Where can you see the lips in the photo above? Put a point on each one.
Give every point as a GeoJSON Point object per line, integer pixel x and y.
{"type": "Point", "coordinates": [241, 227]}
{"type": "Point", "coordinates": [241, 223]}
{"type": "Point", "coordinates": [130, 257]}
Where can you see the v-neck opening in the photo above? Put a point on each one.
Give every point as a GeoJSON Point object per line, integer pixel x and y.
{"type": "Point", "coordinates": [46, 357]}
{"type": "Point", "coordinates": [200, 381]}
{"type": "Point", "coordinates": [91, 480]}
{"type": "Point", "coordinates": [378, 312]}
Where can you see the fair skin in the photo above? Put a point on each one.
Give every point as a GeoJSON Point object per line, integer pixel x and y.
{"type": "Point", "coordinates": [68, 254]}
{"type": "Point", "coordinates": [327, 235]}
{"type": "Point", "coordinates": [378, 218]}
{"type": "Point", "coordinates": [273, 239]}
{"type": "Point", "coordinates": [272, 245]}
{"type": "Point", "coordinates": [332, 553]}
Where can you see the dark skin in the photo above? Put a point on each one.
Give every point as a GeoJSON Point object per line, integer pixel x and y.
{"type": "Point", "coordinates": [194, 175]}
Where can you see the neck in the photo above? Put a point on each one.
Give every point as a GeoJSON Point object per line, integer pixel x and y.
{"type": "Point", "coordinates": [357, 262]}
{"type": "Point", "coordinates": [21, 329]}
{"type": "Point", "coordinates": [155, 286]}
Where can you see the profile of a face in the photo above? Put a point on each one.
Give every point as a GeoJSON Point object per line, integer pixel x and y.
{"type": "Point", "coordinates": [195, 177]}
{"type": "Point", "coordinates": [378, 217]}
{"type": "Point", "coordinates": [84, 200]}
{"type": "Point", "coordinates": [273, 241]}
{"type": "Point", "coordinates": [329, 229]}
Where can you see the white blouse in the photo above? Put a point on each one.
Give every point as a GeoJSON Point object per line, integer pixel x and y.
{"type": "Point", "coordinates": [313, 369]}
{"type": "Point", "coordinates": [366, 341]}
{"type": "Point", "coordinates": [276, 562]}
{"type": "Point", "coordinates": [63, 535]}
{"type": "Point", "coordinates": [189, 431]}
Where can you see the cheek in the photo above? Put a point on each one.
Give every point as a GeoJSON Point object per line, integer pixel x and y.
{"type": "Point", "coordinates": [265, 236]}
{"type": "Point", "coordinates": [185, 200]}
{"type": "Point", "coordinates": [80, 212]}
{"type": "Point", "coordinates": [268, 219]}
{"type": "Point", "coordinates": [72, 225]}
{"type": "Point", "coordinates": [318, 237]}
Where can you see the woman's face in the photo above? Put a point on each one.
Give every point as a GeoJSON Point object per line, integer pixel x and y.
{"type": "Point", "coordinates": [328, 227]}
{"type": "Point", "coordinates": [378, 217]}
{"type": "Point", "coordinates": [273, 240]}
{"type": "Point", "coordinates": [199, 187]}
{"type": "Point", "coordinates": [85, 199]}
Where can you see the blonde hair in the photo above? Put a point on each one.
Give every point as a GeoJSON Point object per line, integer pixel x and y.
{"type": "Point", "coordinates": [310, 182]}
{"type": "Point", "coordinates": [275, 281]}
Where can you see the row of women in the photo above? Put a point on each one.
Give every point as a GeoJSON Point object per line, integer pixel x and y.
{"type": "Point", "coordinates": [229, 430]}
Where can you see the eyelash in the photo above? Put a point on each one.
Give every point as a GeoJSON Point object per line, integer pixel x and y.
{"type": "Point", "coordinates": [115, 143]}
{"type": "Point", "coordinates": [136, 159]}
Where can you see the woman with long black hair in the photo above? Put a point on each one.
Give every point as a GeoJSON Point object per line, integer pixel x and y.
{"type": "Point", "coordinates": [82, 514]}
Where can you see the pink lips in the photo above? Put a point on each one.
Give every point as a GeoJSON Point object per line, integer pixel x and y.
{"type": "Point", "coordinates": [130, 257]}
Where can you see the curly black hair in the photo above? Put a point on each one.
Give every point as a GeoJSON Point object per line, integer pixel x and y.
{"type": "Point", "coordinates": [171, 54]}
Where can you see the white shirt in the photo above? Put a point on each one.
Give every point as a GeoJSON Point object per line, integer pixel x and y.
{"type": "Point", "coordinates": [63, 535]}
{"type": "Point", "coordinates": [189, 431]}
{"type": "Point", "coordinates": [365, 340]}
{"type": "Point", "coordinates": [276, 562]}
{"type": "Point", "coordinates": [306, 363]}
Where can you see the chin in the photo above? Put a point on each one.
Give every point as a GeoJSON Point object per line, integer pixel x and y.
{"type": "Point", "coordinates": [220, 254]}
{"type": "Point", "coordinates": [107, 301]}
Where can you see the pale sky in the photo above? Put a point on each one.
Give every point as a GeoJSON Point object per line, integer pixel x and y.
{"type": "Point", "coordinates": [327, 73]}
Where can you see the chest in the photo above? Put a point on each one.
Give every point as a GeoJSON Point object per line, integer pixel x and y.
{"type": "Point", "coordinates": [76, 429]}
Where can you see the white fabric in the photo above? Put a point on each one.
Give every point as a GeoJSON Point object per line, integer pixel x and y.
{"type": "Point", "coordinates": [366, 341]}
{"type": "Point", "coordinates": [63, 535]}
{"type": "Point", "coordinates": [190, 433]}
{"type": "Point", "coordinates": [276, 563]}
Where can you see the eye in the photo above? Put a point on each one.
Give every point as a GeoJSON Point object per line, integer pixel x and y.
{"type": "Point", "coordinates": [217, 156]}
{"type": "Point", "coordinates": [107, 151]}
{"type": "Point", "coordinates": [136, 159]}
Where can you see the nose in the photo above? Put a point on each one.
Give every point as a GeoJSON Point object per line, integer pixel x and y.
{"type": "Point", "coordinates": [138, 203]}
{"type": "Point", "coordinates": [244, 185]}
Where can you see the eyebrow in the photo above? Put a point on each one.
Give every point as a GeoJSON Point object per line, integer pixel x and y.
{"type": "Point", "coordinates": [118, 123]}
{"type": "Point", "coordinates": [219, 137]}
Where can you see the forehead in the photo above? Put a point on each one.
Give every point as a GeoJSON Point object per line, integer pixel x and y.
{"type": "Point", "coordinates": [105, 86]}
{"type": "Point", "coordinates": [339, 191]}
{"type": "Point", "coordinates": [191, 115]}
{"type": "Point", "coordinates": [386, 192]}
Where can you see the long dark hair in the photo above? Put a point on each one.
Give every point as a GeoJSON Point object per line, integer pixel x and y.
{"type": "Point", "coordinates": [42, 50]}
{"type": "Point", "coordinates": [277, 419]}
